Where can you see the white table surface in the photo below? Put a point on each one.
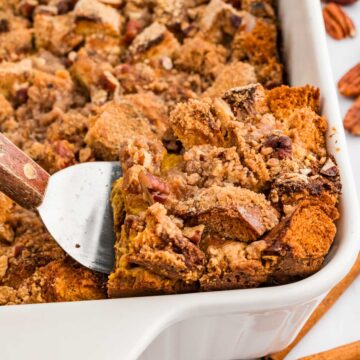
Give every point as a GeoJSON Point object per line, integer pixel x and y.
{"type": "Point", "coordinates": [341, 324]}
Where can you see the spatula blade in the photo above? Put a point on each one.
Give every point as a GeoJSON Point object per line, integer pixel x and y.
{"type": "Point", "coordinates": [77, 212]}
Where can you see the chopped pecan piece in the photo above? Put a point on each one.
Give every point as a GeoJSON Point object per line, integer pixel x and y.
{"type": "Point", "coordinates": [281, 145]}
{"type": "Point", "coordinates": [65, 6]}
{"type": "Point", "coordinates": [21, 94]}
{"type": "Point", "coordinates": [27, 7]}
{"type": "Point", "coordinates": [133, 28]}
{"type": "Point", "coordinates": [109, 82]}
{"type": "Point", "coordinates": [349, 84]}
{"type": "Point", "coordinates": [337, 23]}
{"type": "Point", "coordinates": [156, 189]}
{"type": "Point", "coordinates": [329, 168]}
{"type": "Point", "coordinates": [4, 25]}
{"type": "Point", "coordinates": [352, 118]}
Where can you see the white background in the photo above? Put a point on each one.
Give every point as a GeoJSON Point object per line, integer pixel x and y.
{"type": "Point", "coordinates": [341, 324]}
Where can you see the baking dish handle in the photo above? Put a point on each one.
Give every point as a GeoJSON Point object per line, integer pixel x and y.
{"type": "Point", "coordinates": [92, 330]}
{"type": "Point", "coordinates": [21, 179]}
{"type": "Point", "coordinates": [144, 319]}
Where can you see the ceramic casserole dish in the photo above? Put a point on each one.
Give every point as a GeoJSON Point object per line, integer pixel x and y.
{"type": "Point", "coordinates": [236, 324]}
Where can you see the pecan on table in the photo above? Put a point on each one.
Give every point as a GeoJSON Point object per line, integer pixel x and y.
{"type": "Point", "coordinates": [349, 84]}
{"type": "Point", "coordinates": [352, 118]}
{"type": "Point", "coordinates": [341, 2]}
{"type": "Point", "coordinates": [337, 23]}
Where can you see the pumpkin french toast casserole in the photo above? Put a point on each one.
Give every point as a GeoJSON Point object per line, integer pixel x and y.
{"type": "Point", "coordinates": [227, 182]}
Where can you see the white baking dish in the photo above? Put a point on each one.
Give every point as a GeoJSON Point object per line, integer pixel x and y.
{"type": "Point", "coordinates": [237, 324]}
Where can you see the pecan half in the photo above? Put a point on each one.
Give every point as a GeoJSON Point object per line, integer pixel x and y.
{"type": "Point", "coordinates": [156, 189]}
{"type": "Point", "coordinates": [349, 84]}
{"type": "Point", "coordinates": [27, 7]}
{"type": "Point", "coordinates": [133, 28]}
{"type": "Point", "coordinates": [341, 2]}
{"type": "Point", "coordinates": [4, 25]}
{"type": "Point", "coordinates": [352, 118]}
{"type": "Point", "coordinates": [338, 25]}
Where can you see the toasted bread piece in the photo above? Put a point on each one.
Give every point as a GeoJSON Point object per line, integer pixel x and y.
{"type": "Point", "coordinates": [157, 243]}
{"type": "Point", "coordinates": [12, 74]}
{"type": "Point", "coordinates": [285, 99]}
{"type": "Point", "coordinates": [116, 123]}
{"type": "Point", "coordinates": [246, 102]}
{"type": "Point", "coordinates": [170, 12]}
{"type": "Point", "coordinates": [32, 247]}
{"type": "Point", "coordinates": [6, 230]}
{"type": "Point", "coordinates": [154, 109]}
{"type": "Point", "coordinates": [15, 35]}
{"type": "Point", "coordinates": [56, 33]}
{"type": "Point", "coordinates": [298, 109]}
{"type": "Point", "coordinates": [60, 281]}
{"type": "Point", "coordinates": [88, 72]}
{"type": "Point", "coordinates": [232, 212]}
{"type": "Point", "coordinates": [131, 280]}
{"type": "Point", "coordinates": [48, 91]}
{"type": "Point", "coordinates": [195, 123]}
{"type": "Point", "coordinates": [233, 75]}
{"type": "Point", "coordinates": [94, 17]}
{"type": "Point", "coordinates": [6, 110]}
{"type": "Point", "coordinates": [302, 239]}
{"type": "Point", "coordinates": [8, 296]}
{"type": "Point", "coordinates": [220, 21]}
{"type": "Point", "coordinates": [232, 264]}
{"type": "Point", "coordinates": [154, 42]}
{"type": "Point", "coordinates": [201, 56]}
{"type": "Point", "coordinates": [256, 43]}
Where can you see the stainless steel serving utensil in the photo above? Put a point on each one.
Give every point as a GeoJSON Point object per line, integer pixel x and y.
{"type": "Point", "coordinates": [74, 203]}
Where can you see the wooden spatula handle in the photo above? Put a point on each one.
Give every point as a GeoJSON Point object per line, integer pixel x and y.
{"type": "Point", "coordinates": [21, 178]}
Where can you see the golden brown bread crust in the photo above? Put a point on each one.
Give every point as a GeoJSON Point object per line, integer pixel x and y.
{"type": "Point", "coordinates": [31, 247]}
{"type": "Point", "coordinates": [233, 212]}
{"type": "Point", "coordinates": [115, 124]}
{"type": "Point", "coordinates": [129, 280]}
{"type": "Point", "coordinates": [301, 240]}
{"type": "Point", "coordinates": [158, 244]}
{"type": "Point", "coordinates": [232, 264]}
{"type": "Point", "coordinates": [233, 75]}
{"type": "Point", "coordinates": [63, 281]}
{"type": "Point", "coordinates": [256, 43]}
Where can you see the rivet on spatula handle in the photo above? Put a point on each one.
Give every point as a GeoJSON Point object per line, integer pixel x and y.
{"type": "Point", "coordinates": [21, 178]}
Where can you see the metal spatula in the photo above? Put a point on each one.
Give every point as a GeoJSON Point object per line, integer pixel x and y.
{"type": "Point", "coordinates": [74, 203]}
